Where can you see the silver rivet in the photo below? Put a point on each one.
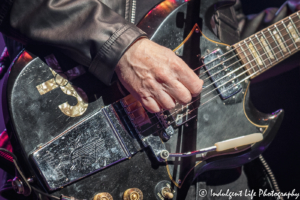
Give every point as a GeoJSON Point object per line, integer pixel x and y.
{"type": "Point", "coordinates": [228, 48]}
{"type": "Point", "coordinates": [186, 125]}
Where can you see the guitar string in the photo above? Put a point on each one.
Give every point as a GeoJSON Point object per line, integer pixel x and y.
{"type": "Point", "coordinates": [295, 50]}
{"type": "Point", "coordinates": [288, 20]}
{"type": "Point", "coordinates": [244, 52]}
{"type": "Point", "coordinates": [260, 70]}
{"type": "Point", "coordinates": [277, 46]}
{"type": "Point", "coordinates": [271, 63]}
{"type": "Point", "coordinates": [284, 20]}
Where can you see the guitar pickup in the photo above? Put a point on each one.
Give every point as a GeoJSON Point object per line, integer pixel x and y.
{"type": "Point", "coordinates": [220, 72]}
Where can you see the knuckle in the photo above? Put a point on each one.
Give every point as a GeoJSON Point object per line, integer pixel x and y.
{"type": "Point", "coordinates": [186, 99]}
{"type": "Point", "coordinates": [197, 88]}
{"type": "Point", "coordinates": [162, 77]}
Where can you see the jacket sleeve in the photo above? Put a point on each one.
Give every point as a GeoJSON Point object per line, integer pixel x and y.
{"type": "Point", "coordinates": [86, 30]}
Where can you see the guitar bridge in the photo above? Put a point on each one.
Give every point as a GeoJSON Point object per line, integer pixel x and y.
{"type": "Point", "coordinates": [151, 128]}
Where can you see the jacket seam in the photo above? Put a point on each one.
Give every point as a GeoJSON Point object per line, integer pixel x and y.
{"type": "Point", "coordinates": [107, 45]}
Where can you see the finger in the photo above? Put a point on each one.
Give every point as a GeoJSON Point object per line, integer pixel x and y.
{"type": "Point", "coordinates": [150, 104]}
{"type": "Point", "coordinates": [189, 78]}
{"type": "Point", "coordinates": [164, 99]}
{"type": "Point", "coordinates": [178, 91]}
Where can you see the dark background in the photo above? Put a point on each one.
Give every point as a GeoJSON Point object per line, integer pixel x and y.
{"type": "Point", "coordinates": [282, 91]}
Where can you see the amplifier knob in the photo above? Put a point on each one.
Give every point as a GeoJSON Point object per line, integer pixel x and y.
{"type": "Point", "coordinates": [103, 196]}
{"type": "Point", "coordinates": [133, 194]}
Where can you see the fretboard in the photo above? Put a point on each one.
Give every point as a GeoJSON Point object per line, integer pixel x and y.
{"type": "Point", "coordinates": [266, 48]}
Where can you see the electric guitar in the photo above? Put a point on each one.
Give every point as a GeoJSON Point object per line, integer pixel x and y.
{"type": "Point", "coordinates": [82, 139]}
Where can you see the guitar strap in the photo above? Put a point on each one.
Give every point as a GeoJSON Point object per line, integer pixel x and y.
{"type": "Point", "coordinates": [224, 22]}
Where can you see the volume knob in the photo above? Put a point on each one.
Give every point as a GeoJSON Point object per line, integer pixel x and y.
{"type": "Point", "coordinates": [133, 194]}
{"type": "Point", "coordinates": [103, 196]}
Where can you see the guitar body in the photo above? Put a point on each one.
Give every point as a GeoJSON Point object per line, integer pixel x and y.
{"type": "Point", "coordinates": [42, 110]}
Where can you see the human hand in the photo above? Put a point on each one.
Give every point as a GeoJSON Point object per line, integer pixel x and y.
{"type": "Point", "coordinates": [156, 77]}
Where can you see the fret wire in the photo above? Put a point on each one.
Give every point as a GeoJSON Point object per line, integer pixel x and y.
{"type": "Point", "coordinates": [201, 104]}
{"type": "Point", "coordinates": [266, 38]}
{"type": "Point", "coordinates": [244, 64]}
{"type": "Point", "coordinates": [276, 42]}
{"type": "Point", "coordinates": [268, 43]}
{"type": "Point", "coordinates": [242, 74]}
{"type": "Point", "coordinates": [287, 30]}
{"type": "Point", "coordinates": [263, 47]}
{"type": "Point", "coordinates": [247, 58]}
{"type": "Point", "coordinates": [252, 55]}
{"type": "Point", "coordinates": [294, 26]}
{"type": "Point", "coordinates": [240, 67]}
{"type": "Point", "coordinates": [262, 60]}
{"type": "Point", "coordinates": [298, 15]}
{"type": "Point", "coordinates": [282, 39]}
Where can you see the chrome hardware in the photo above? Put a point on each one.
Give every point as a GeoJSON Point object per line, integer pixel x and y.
{"type": "Point", "coordinates": [97, 142]}
{"type": "Point", "coordinates": [221, 79]}
{"type": "Point", "coordinates": [164, 155]}
{"type": "Point", "coordinates": [19, 187]}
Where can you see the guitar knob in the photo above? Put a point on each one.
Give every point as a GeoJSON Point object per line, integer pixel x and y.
{"type": "Point", "coordinates": [133, 194]}
{"type": "Point", "coordinates": [103, 196]}
{"type": "Point", "coordinates": [167, 193]}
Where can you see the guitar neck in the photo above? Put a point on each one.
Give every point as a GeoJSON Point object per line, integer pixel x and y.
{"type": "Point", "coordinates": [266, 48]}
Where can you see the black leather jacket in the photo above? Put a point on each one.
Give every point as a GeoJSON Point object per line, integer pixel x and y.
{"type": "Point", "coordinates": [94, 33]}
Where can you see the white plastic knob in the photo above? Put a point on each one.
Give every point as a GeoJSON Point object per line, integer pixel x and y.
{"type": "Point", "coordinates": [239, 141]}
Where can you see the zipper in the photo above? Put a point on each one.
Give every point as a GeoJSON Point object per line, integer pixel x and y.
{"type": "Point", "coordinates": [133, 10]}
